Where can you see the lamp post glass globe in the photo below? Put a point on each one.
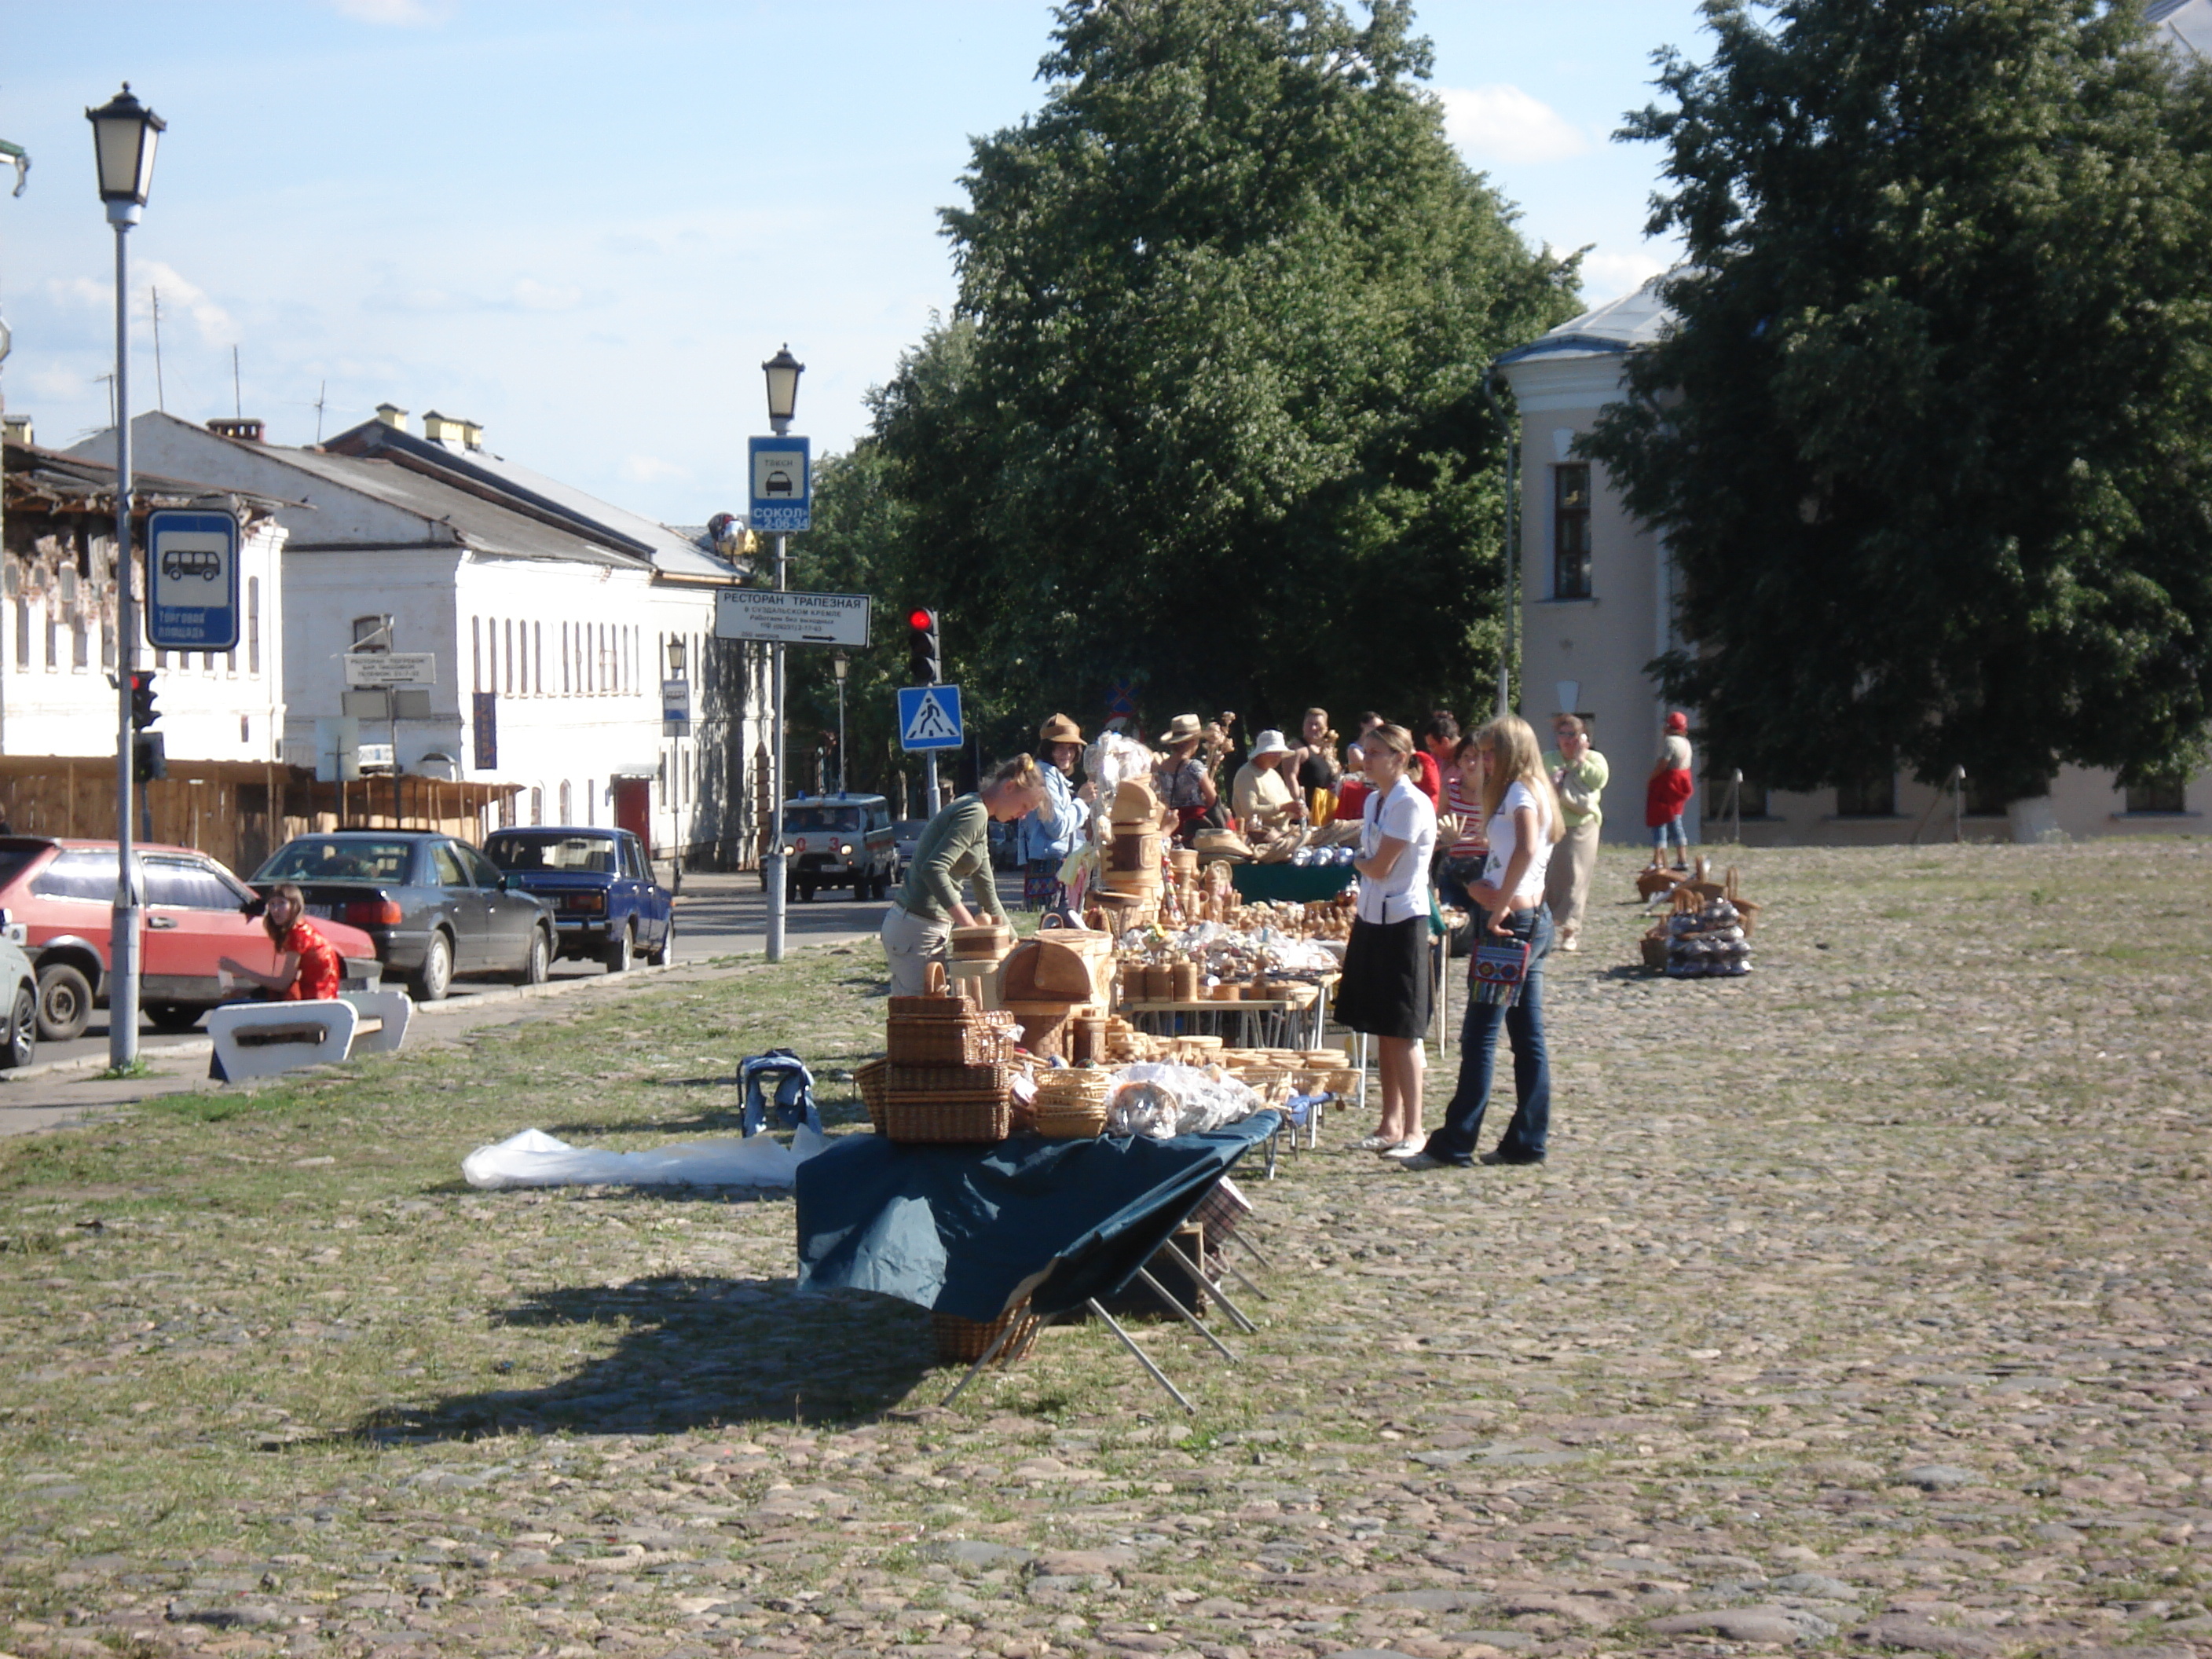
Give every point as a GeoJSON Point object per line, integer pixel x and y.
{"type": "Point", "coordinates": [676, 659]}
{"type": "Point", "coordinates": [783, 371]}
{"type": "Point", "coordinates": [124, 134]}
{"type": "Point", "coordinates": [840, 664]}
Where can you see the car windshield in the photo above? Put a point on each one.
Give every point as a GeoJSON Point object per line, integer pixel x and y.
{"type": "Point", "coordinates": [322, 858]}
{"type": "Point", "coordinates": [585, 854]}
{"type": "Point", "coordinates": [798, 820]}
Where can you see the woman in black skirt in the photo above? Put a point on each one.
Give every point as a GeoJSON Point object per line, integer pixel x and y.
{"type": "Point", "coordinates": [1385, 988]}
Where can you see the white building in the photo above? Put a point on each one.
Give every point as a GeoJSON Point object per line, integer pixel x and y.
{"type": "Point", "coordinates": [550, 617]}
{"type": "Point", "coordinates": [1599, 602]}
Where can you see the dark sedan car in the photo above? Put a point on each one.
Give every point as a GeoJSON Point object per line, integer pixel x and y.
{"type": "Point", "coordinates": [435, 906]}
{"type": "Point", "coordinates": [600, 886]}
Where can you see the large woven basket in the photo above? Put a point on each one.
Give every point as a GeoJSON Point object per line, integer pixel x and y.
{"type": "Point", "coordinates": [1071, 1122]}
{"type": "Point", "coordinates": [873, 1078]}
{"type": "Point", "coordinates": [964, 1341]}
{"type": "Point", "coordinates": [978, 1079]}
{"type": "Point", "coordinates": [948, 1120]}
{"type": "Point", "coordinates": [945, 1042]}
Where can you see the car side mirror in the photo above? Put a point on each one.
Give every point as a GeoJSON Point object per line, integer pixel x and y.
{"type": "Point", "coordinates": [255, 907]}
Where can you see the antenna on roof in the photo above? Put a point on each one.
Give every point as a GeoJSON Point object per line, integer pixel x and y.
{"type": "Point", "coordinates": [321, 388]}
{"type": "Point", "coordinates": [237, 403]}
{"type": "Point", "coordinates": [161, 393]}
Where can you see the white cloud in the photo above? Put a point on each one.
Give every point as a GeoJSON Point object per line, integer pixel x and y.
{"type": "Point", "coordinates": [1501, 123]}
{"type": "Point", "coordinates": [181, 292]}
{"type": "Point", "coordinates": [1608, 275]}
{"type": "Point", "coordinates": [396, 14]}
{"type": "Point", "coordinates": [531, 295]}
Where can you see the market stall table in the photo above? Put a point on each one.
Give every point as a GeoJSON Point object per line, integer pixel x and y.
{"type": "Point", "coordinates": [974, 1230]}
{"type": "Point", "coordinates": [1297, 1020]}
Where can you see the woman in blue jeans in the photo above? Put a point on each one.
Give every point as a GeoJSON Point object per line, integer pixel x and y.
{"type": "Point", "coordinates": [1524, 824]}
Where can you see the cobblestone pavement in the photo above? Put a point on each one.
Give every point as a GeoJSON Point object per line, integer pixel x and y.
{"type": "Point", "coordinates": [1862, 1305]}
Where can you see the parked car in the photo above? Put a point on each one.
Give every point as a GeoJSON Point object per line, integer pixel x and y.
{"type": "Point", "coordinates": [839, 841]}
{"type": "Point", "coordinates": [19, 1040]}
{"type": "Point", "coordinates": [906, 840]}
{"type": "Point", "coordinates": [62, 892]}
{"type": "Point", "coordinates": [435, 907]}
{"type": "Point", "coordinates": [600, 884]}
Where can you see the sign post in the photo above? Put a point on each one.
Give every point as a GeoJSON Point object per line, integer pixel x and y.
{"type": "Point", "coordinates": [390, 672]}
{"type": "Point", "coordinates": [780, 502]}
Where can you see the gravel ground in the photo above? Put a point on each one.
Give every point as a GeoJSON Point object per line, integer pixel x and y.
{"type": "Point", "coordinates": [1862, 1305]}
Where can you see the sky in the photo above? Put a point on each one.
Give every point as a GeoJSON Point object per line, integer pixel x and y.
{"type": "Point", "coordinates": [584, 225]}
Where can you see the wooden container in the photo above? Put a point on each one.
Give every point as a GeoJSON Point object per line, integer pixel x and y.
{"type": "Point", "coordinates": [1134, 803]}
{"type": "Point", "coordinates": [1134, 849]}
{"type": "Point", "coordinates": [1061, 961]}
{"type": "Point", "coordinates": [1184, 982]}
{"type": "Point", "coordinates": [985, 942]}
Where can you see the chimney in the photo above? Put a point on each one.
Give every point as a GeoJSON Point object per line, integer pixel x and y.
{"type": "Point", "coordinates": [471, 435]}
{"type": "Point", "coordinates": [392, 416]}
{"type": "Point", "coordinates": [246, 431]}
{"type": "Point", "coordinates": [18, 428]}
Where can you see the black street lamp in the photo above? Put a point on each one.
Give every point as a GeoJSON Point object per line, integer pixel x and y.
{"type": "Point", "coordinates": [783, 371]}
{"type": "Point", "coordinates": [124, 135]}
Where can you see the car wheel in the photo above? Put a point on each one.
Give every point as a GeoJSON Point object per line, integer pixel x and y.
{"type": "Point", "coordinates": [174, 1016]}
{"type": "Point", "coordinates": [665, 952]}
{"type": "Point", "coordinates": [807, 892]}
{"type": "Point", "coordinates": [619, 952]}
{"type": "Point", "coordinates": [22, 1044]}
{"type": "Point", "coordinates": [435, 977]}
{"type": "Point", "coordinates": [537, 966]}
{"type": "Point", "coordinates": [64, 1002]}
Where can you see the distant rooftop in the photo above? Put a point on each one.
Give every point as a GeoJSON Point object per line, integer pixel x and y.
{"type": "Point", "coordinates": [2185, 23]}
{"type": "Point", "coordinates": [1615, 328]}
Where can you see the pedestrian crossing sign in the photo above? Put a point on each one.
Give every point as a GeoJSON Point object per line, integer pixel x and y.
{"type": "Point", "coordinates": [929, 717]}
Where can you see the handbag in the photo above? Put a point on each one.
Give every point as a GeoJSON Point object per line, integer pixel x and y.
{"type": "Point", "coordinates": [1501, 968]}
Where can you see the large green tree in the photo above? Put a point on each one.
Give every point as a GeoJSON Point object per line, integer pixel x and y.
{"type": "Point", "coordinates": [1931, 439]}
{"type": "Point", "coordinates": [1209, 412]}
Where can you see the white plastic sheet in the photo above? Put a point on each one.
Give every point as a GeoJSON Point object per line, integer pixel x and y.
{"type": "Point", "coordinates": [1161, 1101]}
{"type": "Point", "coordinates": [534, 1158]}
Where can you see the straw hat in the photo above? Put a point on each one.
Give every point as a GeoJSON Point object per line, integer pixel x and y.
{"type": "Point", "coordinates": [1060, 729]}
{"type": "Point", "coordinates": [1183, 728]}
{"type": "Point", "coordinates": [1269, 743]}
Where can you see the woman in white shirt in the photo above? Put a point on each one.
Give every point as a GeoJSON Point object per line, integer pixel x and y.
{"type": "Point", "coordinates": [1524, 824]}
{"type": "Point", "coordinates": [1385, 988]}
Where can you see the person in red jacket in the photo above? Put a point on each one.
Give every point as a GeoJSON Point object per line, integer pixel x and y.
{"type": "Point", "coordinates": [1668, 791]}
{"type": "Point", "coordinates": [308, 966]}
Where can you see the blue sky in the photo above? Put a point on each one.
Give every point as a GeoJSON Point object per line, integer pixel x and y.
{"type": "Point", "coordinates": [585, 225]}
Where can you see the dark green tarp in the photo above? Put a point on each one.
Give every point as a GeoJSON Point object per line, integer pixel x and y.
{"type": "Point", "coordinates": [967, 1230]}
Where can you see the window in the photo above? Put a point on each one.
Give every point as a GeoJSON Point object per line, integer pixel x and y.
{"type": "Point", "coordinates": [106, 645]}
{"type": "Point", "coordinates": [536, 804]}
{"type": "Point", "coordinates": [476, 653]}
{"type": "Point", "coordinates": [23, 633]}
{"type": "Point", "coordinates": [509, 626]}
{"type": "Point", "coordinates": [1871, 795]}
{"type": "Point", "coordinates": [53, 636]}
{"type": "Point", "coordinates": [568, 803]}
{"type": "Point", "coordinates": [537, 654]}
{"type": "Point", "coordinates": [189, 886]}
{"type": "Point", "coordinates": [253, 624]}
{"type": "Point", "coordinates": [1570, 531]}
{"type": "Point", "coordinates": [372, 633]}
{"type": "Point", "coordinates": [446, 868]}
{"type": "Point", "coordinates": [80, 643]}
{"type": "Point", "coordinates": [2167, 794]}
{"type": "Point", "coordinates": [86, 875]}
{"type": "Point", "coordinates": [564, 660]}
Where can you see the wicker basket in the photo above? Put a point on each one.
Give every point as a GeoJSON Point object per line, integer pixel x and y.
{"type": "Point", "coordinates": [1071, 1122]}
{"type": "Point", "coordinates": [948, 1120]}
{"type": "Point", "coordinates": [946, 1043]}
{"type": "Point", "coordinates": [977, 1079]}
{"type": "Point", "coordinates": [964, 1341]}
{"type": "Point", "coordinates": [873, 1078]}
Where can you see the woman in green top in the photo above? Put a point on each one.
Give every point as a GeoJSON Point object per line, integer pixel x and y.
{"type": "Point", "coordinates": [954, 847]}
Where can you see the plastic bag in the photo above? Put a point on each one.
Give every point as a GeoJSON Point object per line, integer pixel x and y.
{"type": "Point", "coordinates": [1162, 1101]}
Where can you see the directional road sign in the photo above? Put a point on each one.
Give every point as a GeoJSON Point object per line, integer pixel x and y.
{"type": "Point", "coordinates": [782, 495]}
{"type": "Point", "coordinates": [191, 565]}
{"type": "Point", "coordinates": [929, 717]}
{"type": "Point", "coordinates": [762, 613]}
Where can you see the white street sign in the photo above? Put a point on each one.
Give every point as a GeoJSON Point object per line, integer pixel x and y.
{"type": "Point", "coordinates": [762, 613]}
{"type": "Point", "coordinates": [367, 668]}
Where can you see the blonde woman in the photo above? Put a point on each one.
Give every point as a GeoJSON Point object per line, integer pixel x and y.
{"type": "Point", "coordinates": [1524, 825]}
{"type": "Point", "coordinates": [1385, 988]}
{"type": "Point", "coordinates": [956, 846]}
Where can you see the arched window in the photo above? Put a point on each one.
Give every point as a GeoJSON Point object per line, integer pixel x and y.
{"type": "Point", "coordinates": [568, 803]}
{"type": "Point", "coordinates": [536, 804]}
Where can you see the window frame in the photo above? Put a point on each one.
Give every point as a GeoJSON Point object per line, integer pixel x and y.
{"type": "Point", "coordinates": [1573, 559]}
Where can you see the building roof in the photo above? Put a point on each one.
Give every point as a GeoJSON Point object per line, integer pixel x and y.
{"type": "Point", "coordinates": [47, 479]}
{"type": "Point", "coordinates": [669, 552]}
{"type": "Point", "coordinates": [1614, 328]}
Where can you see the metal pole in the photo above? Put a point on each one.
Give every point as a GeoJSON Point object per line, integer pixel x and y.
{"type": "Point", "coordinates": [929, 774]}
{"type": "Point", "coordinates": [774, 861]}
{"type": "Point", "coordinates": [123, 922]}
{"type": "Point", "coordinates": [841, 734]}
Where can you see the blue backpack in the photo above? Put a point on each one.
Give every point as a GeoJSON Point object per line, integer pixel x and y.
{"type": "Point", "coordinates": [779, 1075]}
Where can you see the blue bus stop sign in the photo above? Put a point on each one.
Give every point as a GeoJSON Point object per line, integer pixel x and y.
{"type": "Point", "coordinates": [191, 580]}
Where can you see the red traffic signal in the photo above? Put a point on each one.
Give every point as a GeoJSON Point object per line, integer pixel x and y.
{"type": "Point", "coordinates": [925, 657]}
{"type": "Point", "coordinates": [920, 620]}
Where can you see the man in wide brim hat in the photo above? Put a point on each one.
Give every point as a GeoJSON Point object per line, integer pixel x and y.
{"type": "Point", "coordinates": [1055, 829]}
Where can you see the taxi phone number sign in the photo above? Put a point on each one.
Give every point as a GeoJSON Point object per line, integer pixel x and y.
{"type": "Point", "coordinates": [782, 499]}
{"type": "Point", "coordinates": [191, 580]}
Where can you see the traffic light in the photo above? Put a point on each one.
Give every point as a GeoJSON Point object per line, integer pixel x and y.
{"type": "Point", "coordinates": [142, 713]}
{"type": "Point", "coordinates": [150, 757]}
{"type": "Point", "coordinates": [925, 656]}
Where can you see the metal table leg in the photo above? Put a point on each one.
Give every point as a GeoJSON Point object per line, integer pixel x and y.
{"type": "Point", "coordinates": [1143, 1358]}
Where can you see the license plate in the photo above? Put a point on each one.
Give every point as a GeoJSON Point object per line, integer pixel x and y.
{"type": "Point", "coordinates": [324, 911]}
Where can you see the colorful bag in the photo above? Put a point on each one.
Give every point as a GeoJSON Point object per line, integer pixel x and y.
{"type": "Point", "coordinates": [1501, 967]}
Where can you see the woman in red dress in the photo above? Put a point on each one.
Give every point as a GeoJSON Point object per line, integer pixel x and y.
{"type": "Point", "coordinates": [308, 966]}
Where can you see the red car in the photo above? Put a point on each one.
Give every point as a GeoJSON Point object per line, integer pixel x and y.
{"type": "Point", "coordinates": [62, 892]}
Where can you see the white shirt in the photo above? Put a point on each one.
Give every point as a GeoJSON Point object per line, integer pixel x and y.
{"type": "Point", "coordinates": [1404, 815]}
{"type": "Point", "coordinates": [1504, 837]}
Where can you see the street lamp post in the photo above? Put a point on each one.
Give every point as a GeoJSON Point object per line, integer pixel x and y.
{"type": "Point", "coordinates": [783, 371]}
{"type": "Point", "coordinates": [841, 665]}
{"type": "Point", "coordinates": [124, 133]}
{"type": "Point", "coordinates": [673, 789]}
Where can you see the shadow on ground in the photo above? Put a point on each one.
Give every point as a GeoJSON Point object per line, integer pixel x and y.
{"type": "Point", "coordinates": [692, 1353]}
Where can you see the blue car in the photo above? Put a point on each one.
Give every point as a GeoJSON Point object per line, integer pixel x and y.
{"type": "Point", "coordinates": [599, 883]}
